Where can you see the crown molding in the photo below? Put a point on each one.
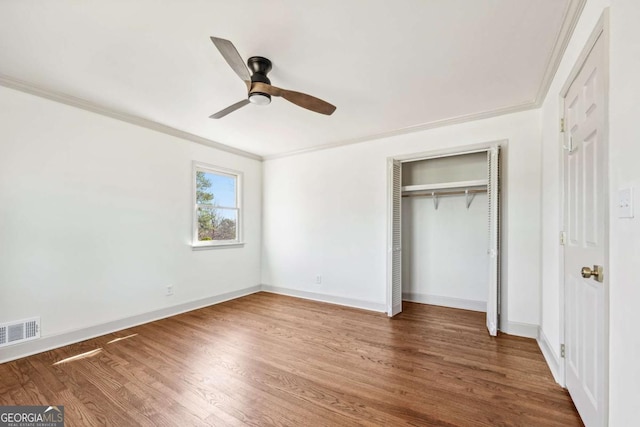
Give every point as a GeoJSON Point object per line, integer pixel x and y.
{"type": "Point", "coordinates": [530, 105]}
{"type": "Point", "coordinates": [569, 22]}
{"type": "Point", "coordinates": [83, 104]}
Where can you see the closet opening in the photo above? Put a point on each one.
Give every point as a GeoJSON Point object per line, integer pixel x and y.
{"type": "Point", "coordinates": [444, 232]}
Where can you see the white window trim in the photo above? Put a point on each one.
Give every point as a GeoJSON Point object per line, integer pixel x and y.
{"type": "Point", "coordinates": [216, 244]}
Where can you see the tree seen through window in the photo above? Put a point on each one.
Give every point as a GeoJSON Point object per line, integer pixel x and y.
{"type": "Point", "coordinates": [216, 201]}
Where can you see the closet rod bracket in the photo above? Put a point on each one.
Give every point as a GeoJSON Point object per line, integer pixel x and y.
{"type": "Point", "coordinates": [469, 197]}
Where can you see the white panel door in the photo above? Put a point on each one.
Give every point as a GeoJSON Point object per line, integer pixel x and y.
{"type": "Point", "coordinates": [493, 193]}
{"type": "Point", "coordinates": [585, 180]}
{"type": "Point", "coordinates": [394, 252]}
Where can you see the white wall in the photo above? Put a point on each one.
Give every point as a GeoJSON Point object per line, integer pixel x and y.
{"type": "Point", "coordinates": [95, 218]}
{"type": "Point", "coordinates": [444, 250]}
{"type": "Point", "coordinates": [325, 213]}
{"type": "Point", "coordinates": [625, 233]}
{"type": "Point", "coordinates": [552, 179]}
{"type": "Point", "coordinates": [464, 167]}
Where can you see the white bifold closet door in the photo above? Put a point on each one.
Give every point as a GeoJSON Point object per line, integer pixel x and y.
{"type": "Point", "coordinates": [394, 250]}
{"type": "Point", "coordinates": [493, 196]}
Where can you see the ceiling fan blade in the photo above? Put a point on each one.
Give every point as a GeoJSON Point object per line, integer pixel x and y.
{"type": "Point", "coordinates": [309, 102]}
{"type": "Point", "coordinates": [233, 58]}
{"type": "Point", "coordinates": [300, 99]}
{"type": "Point", "coordinates": [230, 109]}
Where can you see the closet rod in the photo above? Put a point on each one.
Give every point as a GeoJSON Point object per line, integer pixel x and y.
{"type": "Point", "coordinates": [444, 193]}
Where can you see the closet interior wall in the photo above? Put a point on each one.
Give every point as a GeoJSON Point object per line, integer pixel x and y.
{"type": "Point", "coordinates": [445, 241]}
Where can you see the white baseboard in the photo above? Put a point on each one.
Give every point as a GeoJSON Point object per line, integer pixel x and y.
{"type": "Point", "coordinates": [54, 341]}
{"type": "Point", "coordinates": [365, 305]}
{"type": "Point", "coordinates": [526, 330]}
{"type": "Point", "coordinates": [464, 304]}
{"type": "Point", "coordinates": [552, 359]}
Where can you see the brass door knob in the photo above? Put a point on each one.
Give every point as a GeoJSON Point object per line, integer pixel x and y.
{"type": "Point", "coordinates": [597, 273]}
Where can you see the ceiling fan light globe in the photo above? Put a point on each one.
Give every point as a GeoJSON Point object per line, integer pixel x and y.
{"type": "Point", "coordinates": [258, 98]}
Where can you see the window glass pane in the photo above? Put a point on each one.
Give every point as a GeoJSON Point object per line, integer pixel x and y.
{"type": "Point", "coordinates": [217, 224]}
{"type": "Point", "coordinates": [215, 189]}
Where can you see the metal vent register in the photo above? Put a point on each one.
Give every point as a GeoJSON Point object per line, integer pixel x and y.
{"type": "Point", "coordinates": [20, 331]}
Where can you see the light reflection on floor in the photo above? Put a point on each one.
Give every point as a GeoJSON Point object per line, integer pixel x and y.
{"type": "Point", "coordinates": [121, 338]}
{"type": "Point", "coordinates": [79, 356]}
{"type": "Point", "coordinates": [92, 352]}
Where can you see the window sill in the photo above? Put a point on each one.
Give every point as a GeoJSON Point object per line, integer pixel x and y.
{"type": "Point", "coordinates": [202, 247]}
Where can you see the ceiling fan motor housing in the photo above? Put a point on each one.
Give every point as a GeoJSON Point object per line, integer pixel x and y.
{"type": "Point", "coordinates": [259, 67]}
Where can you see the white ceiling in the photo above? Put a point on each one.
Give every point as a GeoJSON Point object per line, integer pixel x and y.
{"type": "Point", "coordinates": [386, 65]}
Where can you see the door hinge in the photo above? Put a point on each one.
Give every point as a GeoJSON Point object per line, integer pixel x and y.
{"type": "Point", "coordinates": [569, 147]}
{"type": "Point", "coordinates": [562, 124]}
{"type": "Point", "coordinates": [563, 238]}
{"type": "Point", "coordinates": [562, 350]}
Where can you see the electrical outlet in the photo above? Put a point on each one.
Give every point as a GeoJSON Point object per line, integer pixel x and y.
{"type": "Point", "coordinates": [169, 290]}
{"type": "Point", "coordinates": [318, 279]}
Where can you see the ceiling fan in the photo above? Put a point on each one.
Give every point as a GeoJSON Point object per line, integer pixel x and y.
{"type": "Point", "coordinates": [258, 84]}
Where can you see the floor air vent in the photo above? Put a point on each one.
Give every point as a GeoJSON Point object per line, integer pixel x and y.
{"type": "Point", "coordinates": [16, 332]}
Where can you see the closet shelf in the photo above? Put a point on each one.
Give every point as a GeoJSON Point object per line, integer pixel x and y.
{"type": "Point", "coordinates": [459, 185]}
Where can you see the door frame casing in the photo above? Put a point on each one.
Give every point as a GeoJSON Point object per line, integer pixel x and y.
{"type": "Point", "coordinates": [503, 144]}
{"type": "Point", "coordinates": [600, 31]}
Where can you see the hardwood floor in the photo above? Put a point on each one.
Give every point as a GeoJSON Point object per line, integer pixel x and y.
{"type": "Point", "coordinates": [273, 360]}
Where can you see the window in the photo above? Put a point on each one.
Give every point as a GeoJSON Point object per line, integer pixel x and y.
{"type": "Point", "coordinates": [217, 213]}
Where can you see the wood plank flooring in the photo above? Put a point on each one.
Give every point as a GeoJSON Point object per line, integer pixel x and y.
{"type": "Point", "coordinates": [267, 360]}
